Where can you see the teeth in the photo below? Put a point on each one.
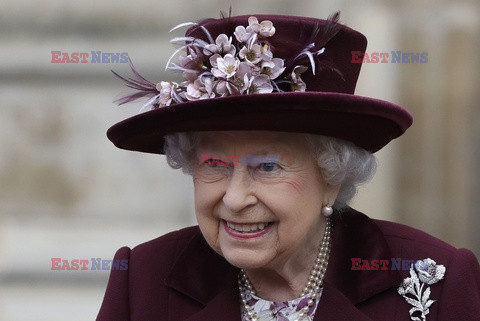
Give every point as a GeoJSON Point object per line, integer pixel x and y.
{"type": "Point", "coordinates": [246, 228]}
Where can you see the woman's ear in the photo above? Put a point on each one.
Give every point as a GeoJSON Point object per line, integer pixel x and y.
{"type": "Point", "coordinates": [330, 194]}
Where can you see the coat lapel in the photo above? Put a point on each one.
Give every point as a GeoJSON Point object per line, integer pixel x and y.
{"type": "Point", "coordinates": [224, 306]}
{"type": "Point", "coordinates": [204, 276]}
{"type": "Point", "coordinates": [334, 305]}
{"type": "Point", "coordinates": [357, 236]}
{"type": "Point", "coordinates": [212, 282]}
{"type": "Point", "coordinates": [200, 273]}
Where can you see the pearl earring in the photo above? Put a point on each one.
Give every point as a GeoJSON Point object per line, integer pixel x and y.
{"type": "Point", "coordinates": [327, 211]}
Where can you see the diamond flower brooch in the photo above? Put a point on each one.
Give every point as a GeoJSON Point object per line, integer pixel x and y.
{"type": "Point", "coordinates": [415, 289]}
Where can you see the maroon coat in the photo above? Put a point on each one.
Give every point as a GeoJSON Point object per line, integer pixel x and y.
{"type": "Point", "coordinates": [179, 277]}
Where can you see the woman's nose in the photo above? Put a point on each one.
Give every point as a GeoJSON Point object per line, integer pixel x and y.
{"type": "Point", "coordinates": [239, 192]}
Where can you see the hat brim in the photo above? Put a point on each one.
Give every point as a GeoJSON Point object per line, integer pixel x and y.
{"type": "Point", "coordinates": [367, 122]}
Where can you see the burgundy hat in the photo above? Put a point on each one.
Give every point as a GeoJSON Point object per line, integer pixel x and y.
{"type": "Point", "coordinates": [267, 72]}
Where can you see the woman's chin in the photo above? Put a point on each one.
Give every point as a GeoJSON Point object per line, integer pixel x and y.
{"type": "Point", "coordinates": [245, 259]}
{"type": "Point", "coordinates": [246, 264]}
{"type": "Point", "coordinates": [248, 251]}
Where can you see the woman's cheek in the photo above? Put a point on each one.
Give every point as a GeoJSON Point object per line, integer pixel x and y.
{"type": "Point", "coordinates": [206, 199]}
{"type": "Point", "coordinates": [209, 226]}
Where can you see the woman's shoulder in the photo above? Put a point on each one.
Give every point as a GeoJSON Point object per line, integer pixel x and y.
{"type": "Point", "coordinates": [406, 243]}
{"type": "Point", "coordinates": [183, 235]}
{"type": "Point", "coordinates": [397, 233]}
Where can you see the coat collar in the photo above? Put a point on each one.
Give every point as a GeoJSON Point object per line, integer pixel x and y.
{"type": "Point", "coordinates": [357, 236]}
{"type": "Point", "coordinates": [212, 281]}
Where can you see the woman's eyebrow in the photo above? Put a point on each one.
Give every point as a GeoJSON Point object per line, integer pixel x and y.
{"type": "Point", "coordinates": [273, 150]}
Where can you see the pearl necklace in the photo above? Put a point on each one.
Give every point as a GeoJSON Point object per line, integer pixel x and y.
{"type": "Point", "coordinates": [314, 283]}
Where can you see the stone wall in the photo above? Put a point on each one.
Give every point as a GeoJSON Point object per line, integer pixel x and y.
{"type": "Point", "coordinates": [65, 191]}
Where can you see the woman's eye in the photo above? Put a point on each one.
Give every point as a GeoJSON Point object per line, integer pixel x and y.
{"type": "Point", "coordinates": [268, 166]}
{"type": "Point", "coordinates": [213, 162]}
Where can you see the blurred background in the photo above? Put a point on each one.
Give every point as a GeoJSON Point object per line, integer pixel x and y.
{"type": "Point", "coordinates": [67, 192]}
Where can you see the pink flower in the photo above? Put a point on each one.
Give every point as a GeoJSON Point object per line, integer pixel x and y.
{"type": "Point", "coordinates": [257, 85]}
{"type": "Point", "coordinates": [297, 82]}
{"type": "Point", "coordinates": [273, 68]}
{"type": "Point", "coordinates": [226, 88]}
{"type": "Point", "coordinates": [252, 54]}
{"type": "Point", "coordinates": [267, 54]}
{"type": "Point", "coordinates": [166, 90]}
{"type": "Point", "coordinates": [265, 28]}
{"type": "Point", "coordinates": [200, 89]}
{"type": "Point", "coordinates": [223, 45]}
{"type": "Point", "coordinates": [213, 60]}
{"type": "Point", "coordinates": [246, 68]}
{"type": "Point", "coordinates": [226, 67]}
{"type": "Point", "coordinates": [244, 35]}
{"type": "Point", "coordinates": [191, 66]}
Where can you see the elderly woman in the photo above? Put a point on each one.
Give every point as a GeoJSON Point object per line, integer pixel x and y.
{"type": "Point", "coordinates": [267, 125]}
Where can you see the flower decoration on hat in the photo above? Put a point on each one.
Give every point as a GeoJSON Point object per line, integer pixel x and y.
{"type": "Point", "coordinates": [413, 288]}
{"type": "Point", "coordinates": [242, 63]}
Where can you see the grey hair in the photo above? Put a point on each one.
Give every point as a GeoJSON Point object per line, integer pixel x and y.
{"type": "Point", "coordinates": [341, 163]}
{"type": "Point", "coordinates": [180, 151]}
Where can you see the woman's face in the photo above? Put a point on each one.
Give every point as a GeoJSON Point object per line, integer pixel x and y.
{"type": "Point", "coordinates": [258, 197]}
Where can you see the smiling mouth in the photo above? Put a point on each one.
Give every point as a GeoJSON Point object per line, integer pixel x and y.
{"type": "Point", "coordinates": [248, 228]}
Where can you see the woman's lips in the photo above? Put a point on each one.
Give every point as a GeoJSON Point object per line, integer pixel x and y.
{"type": "Point", "coordinates": [247, 231]}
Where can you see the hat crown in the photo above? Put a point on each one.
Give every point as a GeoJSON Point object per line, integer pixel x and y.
{"type": "Point", "coordinates": [335, 71]}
